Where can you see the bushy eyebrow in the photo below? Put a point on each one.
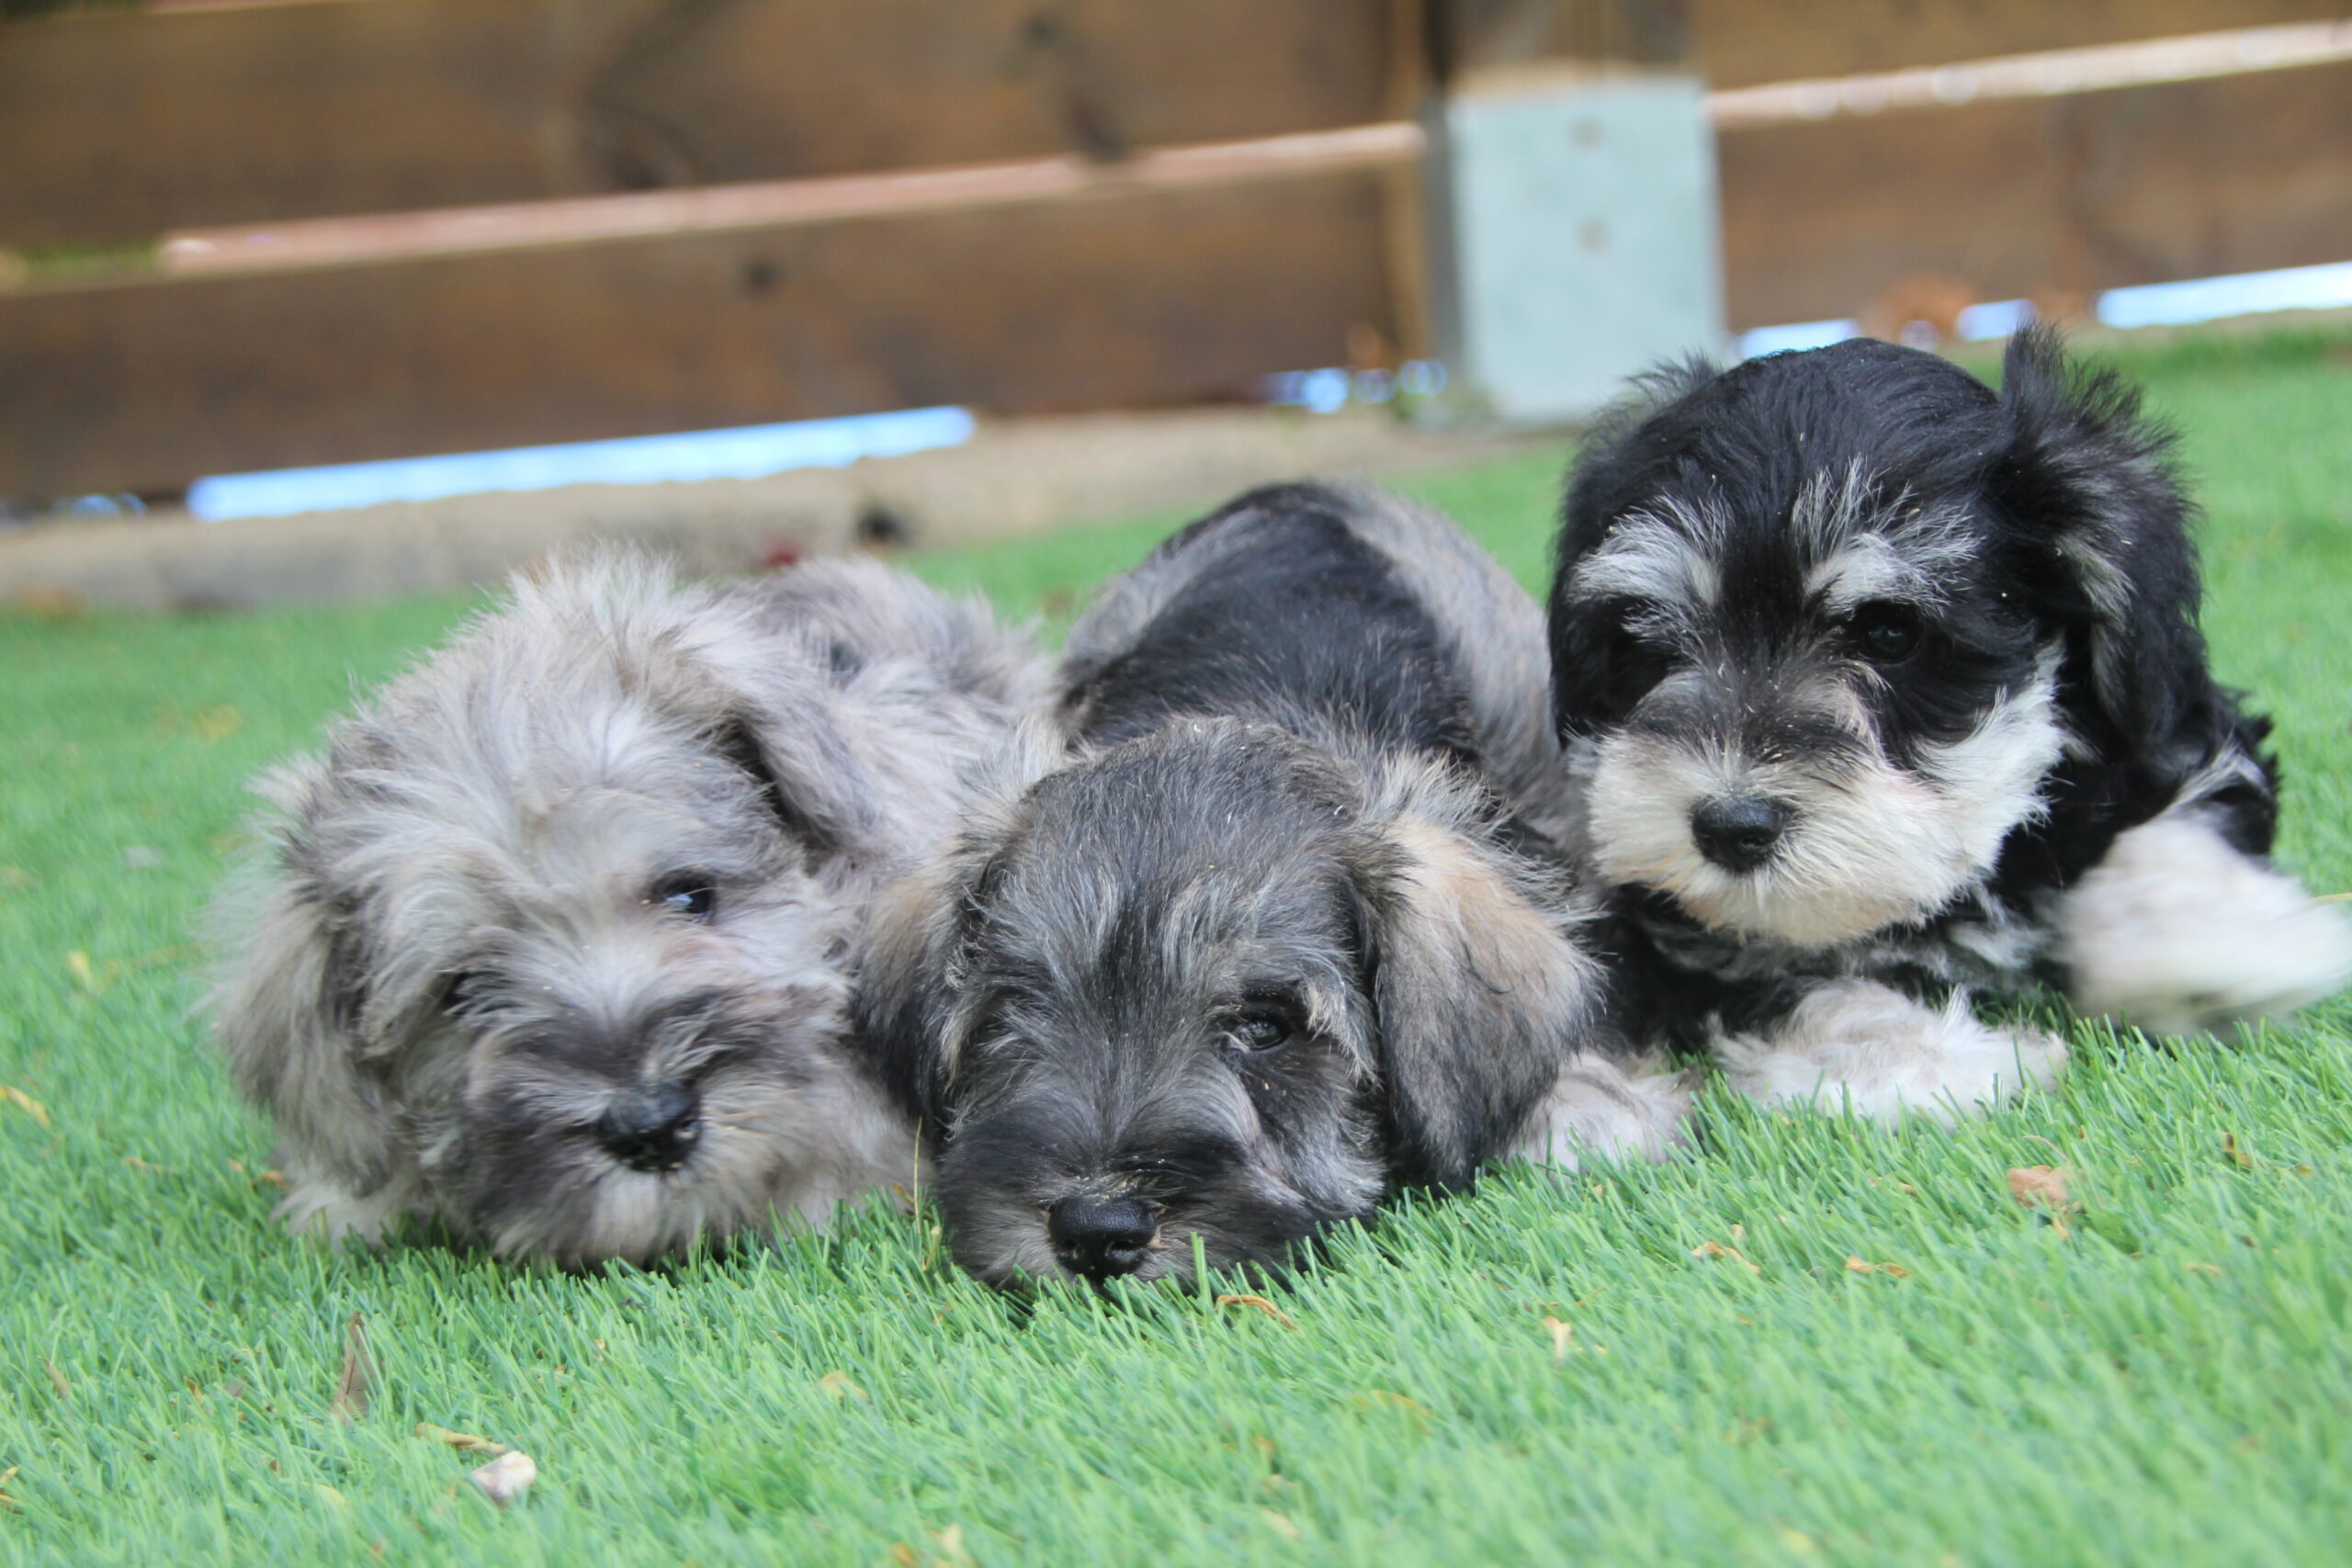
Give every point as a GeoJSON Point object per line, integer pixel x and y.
{"type": "Point", "coordinates": [1662, 553]}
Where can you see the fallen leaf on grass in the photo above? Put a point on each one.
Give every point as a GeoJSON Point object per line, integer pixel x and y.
{"type": "Point", "coordinates": [2245, 1161]}
{"type": "Point", "coordinates": [1281, 1525]}
{"type": "Point", "coordinates": [465, 1441]}
{"type": "Point", "coordinates": [1858, 1266]}
{"type": "Point", "coordinates": [2041, 1184]}
{"type": "Point", "coordinates": [507, 1477]}
{"type": "Point", "coordinates": [217, 724]}
{"type": "Point", "coordinates": [839, 1385]}
{"type": "Point", "coordinates": [352, 1389]}
{"type": "Point", "coordinates": [1261, 1304]}
{"type": "Point", "coordinates": [25, 1103]}
{"type": "Point", "coordinates": [65, 1390]}
{"type": "Point", "coordinates": [6, 1500]}
{"type": "Point", "coordinates": [1717, 1250]}
{"type": "Point", "coordinates": [1381, 1398]}
{"type": "Point", "coordinates": [1561, 1333]}
{"type": "Point", "coordinates": [2201, 1267]}
{"type": "Point", "coordinates": [903, 1555]}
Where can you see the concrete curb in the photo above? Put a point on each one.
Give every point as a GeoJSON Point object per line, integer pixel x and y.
{"type": "Point", "coordinates": [1012, 479]}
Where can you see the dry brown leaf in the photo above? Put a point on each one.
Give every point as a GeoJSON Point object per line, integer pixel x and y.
{"type": "Point", "coordinates": [903, 1555]}
{"type": "Point", "coordinates": [1381, 1398]}
{"type": "Point", "coordinates": [271, 1179]}
{"type": "Point", "coordinates": [1893, 1271]}
{"type": "Point", "coordinates": [6, 1500]}
{"type": "Point", "coordinates": [466, 1441]}
{"type": "Point", "coordinates": [217, 724]}
{"type": "Point", "coordinates": [57, 1381]}
{"type": "Point", "coordinates": [838, 1384]}
{"type": "Point", "coordinates": [1717, 1250]}
{"type": "Point", "coordinates": [25, 1103]}
{"type": "Point", "coordinates": [2201, 1267]}
{"type": "Point", "coordinates": [2230, 1147]}
{"type": "Point", "coordinates": [1261, 1304]}
{"type": "Point", "coordinates": [353, 1389]}
{"type": "Point", "coordinates": [2039, 1185]}
{"type": "Point", "coordinates": [507, 1477]}
{"type": "Point", "coordinates": [1282, 1526]}
{"type": "Point", "coordinates": [1561, 1333]}
{"type": "Point", "coordinates": [1265, 1447]}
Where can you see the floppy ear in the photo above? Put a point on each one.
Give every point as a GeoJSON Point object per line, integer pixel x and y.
{"type": "Point", "coordinates": [1482, 991]}
{"type": "Point", "coordinates": [2089, 477]}
{"type": "Point", "coordinates": [911, 1006]}
{"type": "Point", "coordinates": [906, 1004]}
{"type": "Point", "coordinates": [285, 1013]}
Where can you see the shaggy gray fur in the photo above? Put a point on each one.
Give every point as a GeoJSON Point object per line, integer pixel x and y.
{"type": "Point", "coordinates": [552, 944]}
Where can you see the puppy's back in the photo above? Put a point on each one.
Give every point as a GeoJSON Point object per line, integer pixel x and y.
{"type": "Point", "coordinates": [1325, 603]}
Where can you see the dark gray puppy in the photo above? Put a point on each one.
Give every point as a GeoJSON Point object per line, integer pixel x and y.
{"type": "Point", "coordinates": [1269, 945]}
{"type": "Point", "coordinates": [553, 942]}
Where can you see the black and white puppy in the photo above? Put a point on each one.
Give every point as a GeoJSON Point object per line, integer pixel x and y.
{"type": "Point", "coordinates": [1877, 686]}
{"type": "Point", "coordinates": [1267, 946]}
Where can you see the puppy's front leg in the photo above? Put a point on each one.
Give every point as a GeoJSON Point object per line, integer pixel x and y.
{"type": "Point", "coordinates": [1859, 1046]}
{"type": "Point", "coordinates": [2179, 931]}
{"type": "Point", "coordinates": [1604, 1108]}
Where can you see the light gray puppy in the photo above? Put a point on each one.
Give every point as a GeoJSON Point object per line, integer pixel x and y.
{"type": "Point", "coordinates": [553, 943]}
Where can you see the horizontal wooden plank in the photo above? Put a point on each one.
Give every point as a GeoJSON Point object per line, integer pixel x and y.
{"type": "Point", "coordinates": [2026, 196]}
{"type": "Point", "coordinates": [121, 126]}
{"type": "Point", "coordinates": [1736, 43]}
{"type": "Point", "coordinates": [1121, 300]}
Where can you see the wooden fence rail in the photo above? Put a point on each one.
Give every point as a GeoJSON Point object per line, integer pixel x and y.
{"type": "Point", "coordinates": [127, 128]}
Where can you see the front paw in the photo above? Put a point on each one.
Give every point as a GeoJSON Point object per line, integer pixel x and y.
{"type": "Point", "coordinates": [1604, 1109]}
{"type": "Point", "coordinates": [1865, 1048]}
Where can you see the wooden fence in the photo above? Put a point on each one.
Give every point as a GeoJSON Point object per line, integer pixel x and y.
{"type": "Point", "coordinates": [185, 290]}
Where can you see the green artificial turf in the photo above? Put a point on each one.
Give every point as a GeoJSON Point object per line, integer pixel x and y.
{"type": "Point", "coordinates": [1543, 1371]}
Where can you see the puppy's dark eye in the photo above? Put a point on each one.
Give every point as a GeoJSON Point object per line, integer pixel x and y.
{"type": "Point", "coordinates": [689, 898]}
{"type": "Point", "coordinates": [1885, 634]}
{"type": "Point", "coordinates": [1257, 1030]}
{"type": "Point", "coordinates": [1636, 663]}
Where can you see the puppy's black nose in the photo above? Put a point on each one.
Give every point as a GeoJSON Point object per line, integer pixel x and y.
{"type": "Point", "coordinates": [651, 1129]}
{"type": "Point", "coordinates": [1738, 832]}
{"type": "Point", "coordinates": [1102, 1236]}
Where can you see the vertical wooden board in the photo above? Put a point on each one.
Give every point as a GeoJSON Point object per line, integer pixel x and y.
{"type": "Point", "coordinates": [2026, 196]}
{"type": "Point", "coordinates": [123, 126]}
{"type": "Point", "coordinates": [1121, 301]}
